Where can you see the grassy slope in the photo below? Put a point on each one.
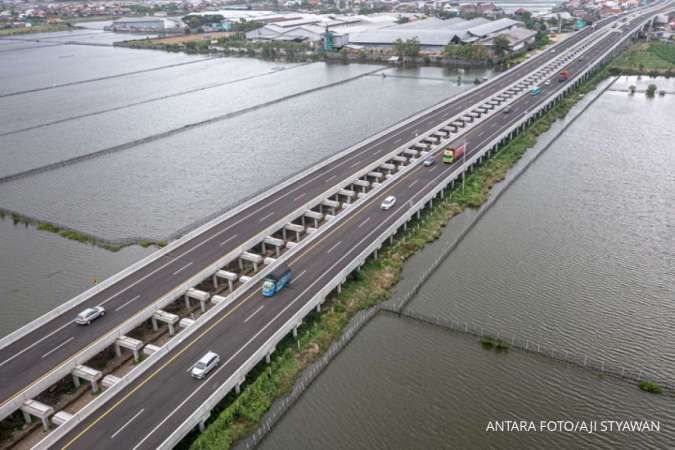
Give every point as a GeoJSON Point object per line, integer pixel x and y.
{"type": "Point", "coordinates": [238, 416]}
{"type": "Point", "coordinates": [658, 56]}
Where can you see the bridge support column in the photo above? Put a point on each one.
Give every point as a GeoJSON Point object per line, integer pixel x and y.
{"type": "Point", "coordinates": [295, 332]}
{"type": "Point", "coordinates": [34, 408]}
{"type": "Point", "coordinates": [318, 308]}
{"type": "Point", "coordinates": [202, 422]}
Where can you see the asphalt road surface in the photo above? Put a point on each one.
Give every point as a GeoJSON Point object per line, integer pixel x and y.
{"type": "Point", "coordinates": [149, 409]}
{"type": "Point", "coordinates": [42, 351]}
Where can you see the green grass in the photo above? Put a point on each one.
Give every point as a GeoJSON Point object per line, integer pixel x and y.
{"type": "Point", "coordinates": [652, 57]}
{"type": "Point", "coordinates": [238, 416]}
{"type": "Point", "coordinates": [36, 29]}
{"type": "Point", "coordinates": [651, 387]}
{"type": "Point", "coordinates": [488, 342]}
{"type": "Point", "coordinates": [502, 345]}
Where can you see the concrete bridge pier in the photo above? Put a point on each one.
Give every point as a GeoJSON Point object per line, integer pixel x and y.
{"type": "Point", "coordinates": [294, 228]}
{"type": "Point", "coordinates": [363, 184]}
{"type": "Point", "coordinates": [316, 216]}
{"type": "Point", "coordinates": [268, 356]}
{"type": "Point", "coordinates": [237, 387]}
{"type": "Point", "coordinates": [276, 243]}
{"type": "Point", "coordinates": [33, 408]}
{"type": "Point", "coordinates": [129, 343]}
{"type": "Point", "coordinates": [202, 421]}
{"type": "Point", "coordinates": [253, 258]}
{"type": "Point", "coordinates": [202, 296]}
{"type": "Point", "coordinates": [349, 194]}
{"type": "Point", "coordinates": [332, 206]}
{"type": "Point", "coordinates": [88, 374]}
{"type": "Point", "coordinates": [231, 277]}
{"type": "Point", "coordinates": [168, 318]}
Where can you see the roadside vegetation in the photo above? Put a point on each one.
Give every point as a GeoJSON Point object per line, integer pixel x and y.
{"type": "Point", "coordinates": [238, 416]}
{"type": "Point", "coordinates": [646, 58]}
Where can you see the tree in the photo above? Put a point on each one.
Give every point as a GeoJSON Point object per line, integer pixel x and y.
{"type": "Point", "coordinates": [542, 39]}
{"type": "Point", "coordinates": [651, 90]}
{"type": "Point", "coordinates": [399, 48]}
{"type": "Point", "coordinates": [246, 25]}
{"type": "Point", "coordinates": [527, 18]}
{"type": "Point", "coordinates": [412, 47]}
{"type": "Point", "coordinates": [500, 45]}
{"type": "Point", "coordinates": [409, 47]}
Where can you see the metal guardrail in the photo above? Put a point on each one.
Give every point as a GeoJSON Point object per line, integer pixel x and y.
{"type": "Point", "coordinates": [194, 419]}
{"type": "Point", "coordinates": [70, 304]}
{"type": "Point", "coordinates": [264, 350]}
{"type": "Point", "coordinates": [173, 343]}
{"type": "Point", "coordinates": [137, 371]}
{"type": "Point", "coordinates": [102, 342]}
{"type": "Point", "coordinates": [203, 411]}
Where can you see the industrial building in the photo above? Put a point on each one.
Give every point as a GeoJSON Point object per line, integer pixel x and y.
{"type": "Point", "coordinates": [434, 34]}
{"type": "Point", "coordinates": [378, 34]}
{"type": "Point", "coordinates": [147, 25]}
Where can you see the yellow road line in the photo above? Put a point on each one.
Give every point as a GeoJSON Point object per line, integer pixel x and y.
{"type": "Point", "coordinates": [152, 375]}
{"type": "Point", "coordinates": [173, 358]}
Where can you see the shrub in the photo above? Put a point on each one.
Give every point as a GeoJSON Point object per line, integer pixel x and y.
{"type": "Point", "coordinates": [651, 387]}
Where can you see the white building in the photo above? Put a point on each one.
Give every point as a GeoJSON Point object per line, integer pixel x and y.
{"type": "Point", "coordinates": [147, 25]}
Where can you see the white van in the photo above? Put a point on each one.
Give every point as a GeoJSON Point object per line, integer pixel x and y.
{"type": "Point", "coordinates": [205, 365]}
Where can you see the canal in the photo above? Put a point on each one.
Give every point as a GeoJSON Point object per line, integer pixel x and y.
{"type": "Point", "coordinates": [577, 254]}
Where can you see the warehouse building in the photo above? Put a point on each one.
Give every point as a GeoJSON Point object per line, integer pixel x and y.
{"type": "Point", "coordinates": [434, 34]}
{"type": "Point", "coordinates": [147, 25]}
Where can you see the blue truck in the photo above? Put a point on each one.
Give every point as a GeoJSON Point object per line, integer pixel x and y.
{"type": "Point", "coordinates": [276, 280]}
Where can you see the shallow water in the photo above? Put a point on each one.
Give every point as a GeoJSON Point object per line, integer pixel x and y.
{"type": "Point", "coordinates": [403, 384]}
{"type": "Point", "coordinates": [578, 254]}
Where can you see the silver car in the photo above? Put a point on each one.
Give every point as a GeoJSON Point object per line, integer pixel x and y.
{"type": "Point", "coordinates": [205, 365]}
{"type": "Point", "coordinates": [388, 202]}
{"type": "Point", "coordinates": [87, 316]}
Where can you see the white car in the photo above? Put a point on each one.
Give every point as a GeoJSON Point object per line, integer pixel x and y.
{"type": "Point", "coordinates": [205, 365]}
{"type": "Point", "coordinates": [548, 82]}
{"type": "Point", "coordinates": [388, 202]}
{"type": "Point", "coordinates": [89, 315]}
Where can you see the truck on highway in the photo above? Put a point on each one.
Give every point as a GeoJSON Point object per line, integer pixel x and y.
{"type": "Point", "coordinates": [452, 153]}
{"type": "Point", "coordinates": [276, 280]}
{"type": "Point", "coordinates": [536, 90]}
{"type": "Point", "coordinates": [564, 76]}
